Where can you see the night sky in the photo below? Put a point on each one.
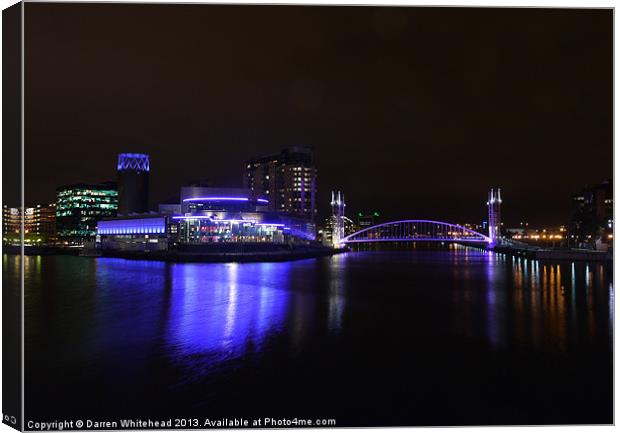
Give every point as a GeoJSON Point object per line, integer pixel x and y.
{"type": "Point", "coordinates": [413, 112]}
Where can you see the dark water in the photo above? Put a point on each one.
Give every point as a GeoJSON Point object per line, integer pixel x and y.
{"type": "Point", "coordinates": [421, 337]}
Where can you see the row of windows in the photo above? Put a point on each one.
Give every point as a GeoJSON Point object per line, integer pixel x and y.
{"type": "Point", "coordinates": [87, 199]}
{"type": "Point", "coordinates": [87, 192]}
{"type": "Point", "coordinates": [67, 213]}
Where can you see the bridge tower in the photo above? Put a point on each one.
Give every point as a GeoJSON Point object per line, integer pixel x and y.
{"type": "Point", "coordinates": [338, 206]}
{"type": "Point", "coordinates": [494, 204]}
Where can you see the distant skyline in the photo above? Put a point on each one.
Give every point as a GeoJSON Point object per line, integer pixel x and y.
{"type": "Point", "coordinates": [413, 112]}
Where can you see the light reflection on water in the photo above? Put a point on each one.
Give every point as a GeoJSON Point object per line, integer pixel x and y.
{"type": "Point", "coordinates": [220, 311]}
{"type": "Point", "coordinates": [121, 322]}
{"type": "Point", "coordinates": [227, 308]}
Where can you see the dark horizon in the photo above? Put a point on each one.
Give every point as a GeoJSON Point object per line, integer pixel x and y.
{"type": "Point", "coordinates": [411, 111]}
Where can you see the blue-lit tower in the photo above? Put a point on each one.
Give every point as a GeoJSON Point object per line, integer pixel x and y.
{"type": "Point", "coordinates": [494, 204]}
{"type": "Point", "coordinates": [133, 183]}
{"type": "Point", "coordinates": [338, 206]}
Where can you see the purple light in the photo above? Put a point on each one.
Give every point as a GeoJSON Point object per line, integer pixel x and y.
{"type": "Point", "coordinates": [262, 200]}
{"type": "Point", "coordinates": [204, 217]}
{"type": "Point", "coordinates": [476, 240]}
{"type": "Point", "coordinates": [236, 221]}
{"type": "Point", "coordinates": [216, 199]}
{"type": "Point", "coordinates": [270, 224]}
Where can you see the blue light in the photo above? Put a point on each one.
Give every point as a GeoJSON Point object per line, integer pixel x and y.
{"type": "Point", "coordinates": [236, 315]}
{"type": "Point", "coordinates": [133, 161]}
{"type": "Point", "coordinates": [132, 226]}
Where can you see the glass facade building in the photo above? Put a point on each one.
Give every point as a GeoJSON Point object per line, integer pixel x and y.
{"type": "Point", "coordinates": [203, 230]}
{"type": "Point", "coordinates": [79, 207]}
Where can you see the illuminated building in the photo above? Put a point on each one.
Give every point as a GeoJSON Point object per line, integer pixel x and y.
{"type": "Point", "coordinates": [207, 216]}
{"type": "Point", "coordinates": [287, 179]}
{"type": "Point", "coordinates": [79, 207]}
{"type": "Point", "coordinates": [133, 183]}
{"type": "Point", "coordinates": [206, 199]}
{"type": "Point", "coordinates": [211, 215]}
{"type": "Point", "coordinates": [40, 222]}
{"type": "Point", "coordinates": [11, 225]}
{"type": "Point", "coordinates": [39, 225]}
{"type": "Point", "coordinates": [326, 233]}
{"type": "Point", "coordinates": [136, 233]}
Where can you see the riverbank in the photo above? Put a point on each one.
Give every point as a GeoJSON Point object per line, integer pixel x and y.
{"type": "Point", "coordinates": [297, 253]}
{"type": "Point", "coordinates": [211, 254]}
{"type": "Point", "coordinates": [560, 255]}
{"type": "Point", "coordinates": [30, 250]}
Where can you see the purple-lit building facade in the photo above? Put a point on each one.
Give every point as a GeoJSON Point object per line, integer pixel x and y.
{"type": "Point", "coordinates": [207, 216]}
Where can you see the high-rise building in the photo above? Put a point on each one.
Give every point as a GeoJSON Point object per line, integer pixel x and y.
{"type": "Point", "coordinates": [79, 207]}
{"type": "Point", "coordinates": [133, 183]}
{"type": "Point", "coordinates": [287, 179]}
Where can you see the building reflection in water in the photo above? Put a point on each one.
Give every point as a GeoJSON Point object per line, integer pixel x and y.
{"type": "Point", "coordinates": [219, 312]}
{"type": "Point", "coordinates": [337, 294]}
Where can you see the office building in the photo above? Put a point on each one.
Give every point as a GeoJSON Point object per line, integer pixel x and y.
{"type": "Point", "coordinates": [11, 225]}
{"type": "Point", "coordinates": [287, 179]}
{"type": "Point", "coordinates": [39, 225]}
{"type": "Point", "coordinates": [79, 207]}
{"type": "Point", "coordinates": [133, 183]}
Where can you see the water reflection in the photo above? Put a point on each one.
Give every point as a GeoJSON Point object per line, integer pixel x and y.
{"type": "Point", "coordinates": [219, 312]}
{"type": "Point", "coordinates": [336, 291]}
{"type": "Point", "coordinates": [166, 333]}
